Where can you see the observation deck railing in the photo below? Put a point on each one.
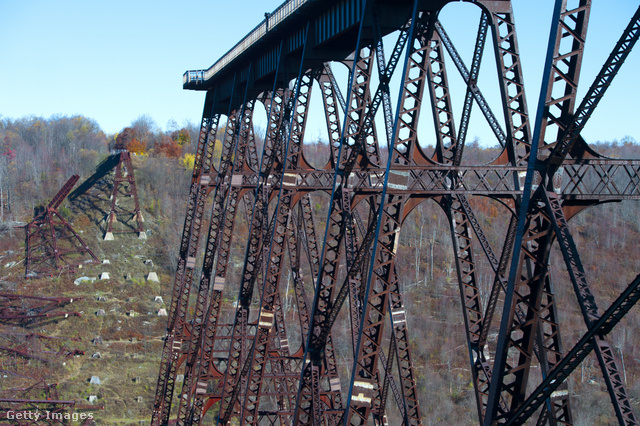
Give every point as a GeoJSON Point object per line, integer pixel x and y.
{"type": "Point", "coordinates": [271, 21]}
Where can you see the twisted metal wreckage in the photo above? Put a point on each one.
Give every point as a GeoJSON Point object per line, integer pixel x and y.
{"type": "Point", "coordinates": [546, 174]}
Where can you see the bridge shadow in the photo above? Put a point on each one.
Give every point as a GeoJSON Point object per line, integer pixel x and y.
{"type": "Point", "coordinates": [91, 198]}
{"type": "Point", "coordinates": [102, 170]}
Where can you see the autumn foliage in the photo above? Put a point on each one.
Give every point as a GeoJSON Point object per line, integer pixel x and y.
{"type": "Point", "coordinates": [171, 145]}
{"type": "Point", "coordinates": [167, 147]}
{"type": "Point", "coordinates": [140, 141]}
{"type": "Point", "coordinates": [127, 139]}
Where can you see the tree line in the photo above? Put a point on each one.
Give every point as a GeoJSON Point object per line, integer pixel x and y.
{"type": "Point", "coordinates": [37, 155]}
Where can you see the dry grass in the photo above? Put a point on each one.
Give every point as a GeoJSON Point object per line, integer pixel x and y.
{"type": "Point", "coordinates": [131, 344]}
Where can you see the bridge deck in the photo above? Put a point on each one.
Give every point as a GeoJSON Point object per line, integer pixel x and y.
{"type": "Point", "coordinates": [333, 28]}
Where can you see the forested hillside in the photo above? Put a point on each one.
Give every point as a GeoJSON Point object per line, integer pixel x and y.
{"type": "Point", "coordinates": [38, 155]}
{"type": "Point", "coordinates": [118, 330]}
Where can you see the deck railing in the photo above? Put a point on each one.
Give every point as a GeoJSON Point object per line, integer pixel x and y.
{"type": "Point", "coordinates": [271, 21]}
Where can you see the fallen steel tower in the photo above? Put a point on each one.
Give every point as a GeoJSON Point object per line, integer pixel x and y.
{"type": "Point", "coordinates": [51, 242]}
{"type": "Point", "coordinates": [545, 174]}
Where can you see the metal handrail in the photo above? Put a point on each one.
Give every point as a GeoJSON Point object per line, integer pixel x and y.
{"type": "Point", "coordinates": [271, 21]}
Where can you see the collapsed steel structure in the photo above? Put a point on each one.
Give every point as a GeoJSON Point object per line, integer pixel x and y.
{"type": "Point", "coordinates": [545, 174]}
{"type": "Point", "coordinates": [25, 399]}
{"type": "Point", "coordinates": [37, 346]}
{"type": "Point", "coordinates": [30, 311]}
{"type": "Point", "coordinates": [51, 242]}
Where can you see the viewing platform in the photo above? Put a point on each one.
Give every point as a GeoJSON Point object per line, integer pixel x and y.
{"type": "Point", "coordinates": [333, 28]}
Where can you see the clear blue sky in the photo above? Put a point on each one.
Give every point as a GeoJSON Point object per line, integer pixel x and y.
{"type": "Point", "coordinates": [115, 61]}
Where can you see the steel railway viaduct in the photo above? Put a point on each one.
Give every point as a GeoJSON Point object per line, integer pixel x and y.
{"type": "Point", "coordinates": [376, 174]}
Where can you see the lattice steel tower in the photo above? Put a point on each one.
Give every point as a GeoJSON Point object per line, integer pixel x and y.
{"type": "Point", "coordinates": [241, 360]}
{"type": "Point", "coordinates": [51, 244]}
{"type": "Point", "coordinates": [125, 206]}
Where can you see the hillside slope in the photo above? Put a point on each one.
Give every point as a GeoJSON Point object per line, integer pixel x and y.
{"type": "Point", "coordinates": [119, 315]}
